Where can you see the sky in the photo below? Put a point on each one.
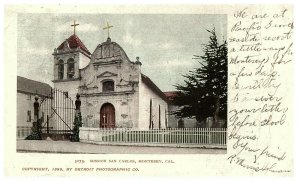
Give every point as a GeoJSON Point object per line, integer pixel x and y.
{"type": "Point", "coordinates": [165, 43]}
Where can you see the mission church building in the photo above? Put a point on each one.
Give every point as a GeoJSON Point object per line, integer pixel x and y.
{"type": "Point", "coordinates": [113, 91]}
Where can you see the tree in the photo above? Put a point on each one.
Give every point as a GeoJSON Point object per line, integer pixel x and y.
{"type": "Point", "coordinates": [77, 120]}
{"type": "Point", "coordinates": [204, 92]}
{"type": "Point", "coordinates": [76, 125]}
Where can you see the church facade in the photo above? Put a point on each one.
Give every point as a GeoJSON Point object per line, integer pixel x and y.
{"type": "Point", "coordinates": [114, 92]}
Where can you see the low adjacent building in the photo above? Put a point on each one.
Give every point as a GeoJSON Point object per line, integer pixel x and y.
{"type": "Point", "coordinates": [27, 89]}
{"type": "Point", "coordinates": [173, 121]}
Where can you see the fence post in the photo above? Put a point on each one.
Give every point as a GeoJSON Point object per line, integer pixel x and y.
{"type": "Point", "coordinates": [162, 137]}
{"type": "Point", "coordinates": [36, 125]}
{"type": "Point", "coordinates": [209, 135]}
{"type": "Point", "coordinates": [36, 106]}
{"type": "Point", "coordinates": [125, 133]}
{"type": "Point", "coordinates": [47, 124]}
{"type": "Point", "coordinates": [77, 121]}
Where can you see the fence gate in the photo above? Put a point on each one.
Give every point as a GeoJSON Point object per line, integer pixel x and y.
{"type": "Point", "coordinates": [57, 112]}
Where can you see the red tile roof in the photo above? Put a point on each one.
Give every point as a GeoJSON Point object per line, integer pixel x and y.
{"type": "Point", "coordinates": [74, 42]}
{"type": "Point", "coordinates": [171, 95]}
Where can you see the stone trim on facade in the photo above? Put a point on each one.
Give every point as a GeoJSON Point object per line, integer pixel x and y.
{"type": "Point", "coordinates": [107, 93]}
{"type": "Point", "coordinates": [66, 80]}
{"type": "Point", "coordinates": [107, 63]}
{"type": "Point", "coordinates": [63, 52]}
{"type": "Point", "coordinates": [106, 74]}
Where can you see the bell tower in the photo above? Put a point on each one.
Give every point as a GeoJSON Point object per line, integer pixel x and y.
{"type": "Point", "coordinates": [69, 57]}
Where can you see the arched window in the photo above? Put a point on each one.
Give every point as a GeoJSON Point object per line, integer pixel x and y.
{"type": "Point", "coordinates": [60, 69]}
{"type": "Point", "coordinates": [70, 68]}
{"type": "Point", "coordinates": [108, 86]}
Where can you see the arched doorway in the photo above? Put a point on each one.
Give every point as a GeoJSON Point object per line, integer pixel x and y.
{"type": "Point", "coordinates": [107, 116]}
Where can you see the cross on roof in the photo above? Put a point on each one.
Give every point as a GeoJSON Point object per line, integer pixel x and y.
{"type": "Point", "coordinates": [107, 27]}
{"type": "Point", "coordinates": [74, 25]}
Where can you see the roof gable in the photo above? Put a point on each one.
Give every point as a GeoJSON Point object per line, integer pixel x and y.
{"type": "Point", "coordinates": [153, 87]}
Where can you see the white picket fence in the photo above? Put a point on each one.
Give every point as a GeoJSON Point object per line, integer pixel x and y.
{"type": "Point", "coordinates": [179, 136]}
{"type": "Point", "coordinates": [195, 136]}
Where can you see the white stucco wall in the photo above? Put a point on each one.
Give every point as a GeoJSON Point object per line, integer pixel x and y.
{"type": "Point", "coordinates": [24, 104]}
{"type": "Point", "coordinates": [125, 110]}
{"type": "Point", "coordinates": [83, 61]}
{"type": "Point", "coordinates": [145, 95]}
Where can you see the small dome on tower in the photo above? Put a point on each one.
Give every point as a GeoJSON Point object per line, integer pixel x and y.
{"type": "Point", "coordinates": [74, 42]}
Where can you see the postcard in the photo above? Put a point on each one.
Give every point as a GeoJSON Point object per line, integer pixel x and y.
{"type": "Point", "coordinates": [148, 90]}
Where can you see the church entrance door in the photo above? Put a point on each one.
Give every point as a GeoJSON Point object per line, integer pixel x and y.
{"type": "Point", "coordinates": [107, 116]}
